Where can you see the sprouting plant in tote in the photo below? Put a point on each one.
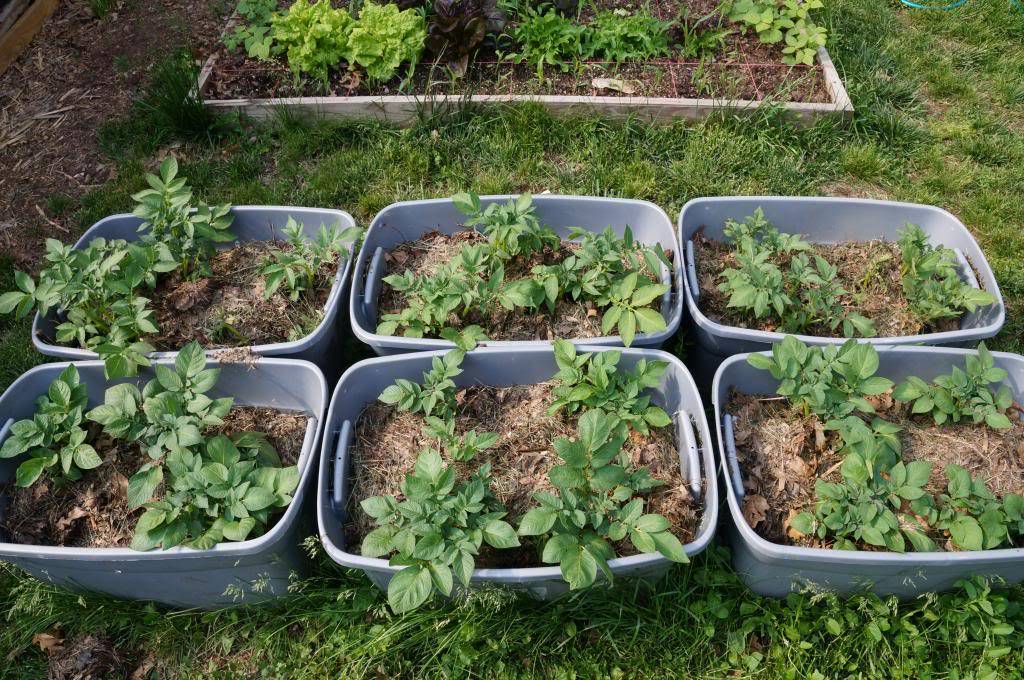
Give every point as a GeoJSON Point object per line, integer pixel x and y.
{"type": "Point", "coordinates": [167, 416]}
{"type": "Point", "coordinates": [972, 515]}
{"type": "Point", "coordinates": [298, 268]}
{"type": "Point", "coordinates": [829, 381]}
{"type": "Point", "coordinates": [628, 310]}
{"type": "Point", "coordinates": [594, 381]}
{"type": "Point", "coordinates": [53, 437]}
{"type": "Point", "coordinates": [436, 395]}
{"type": "Point", "coordinates": [931, 280]}
{"type": "Point", "coordinates": [458, 447]}
{"type": "Point", "coordinates": [219, 491]}
{"type": "Point", "coordinates": [190, 233]}
{"type": "Point", "coordinates": [596, 504]}
{"type": "Point", "coordinates": [512, 228]}
{"type": "Point", "coordinates": [962, 394]}
{"type": "Point", "coordinates": [96, 290]}
{"type": "Point", "coordinates": [436, 532]}
{"type": "Point", "coordinates": [756, 232]}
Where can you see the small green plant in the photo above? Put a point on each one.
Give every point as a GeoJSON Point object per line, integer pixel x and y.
{"type": "Point", "coordinates": [436, 532]}
{"type": "Point", "coordinates": [383, 38]}
{"type": "Point", "coordinates": [189, 233]}
{"type": "Point", "coordinates": [931, 281]}
{"type": "Point", "coordinates": [962, 394]}
{"type": "Point", "coordinates": [298, 268]}
{"type": "Point", "coordinates": [696, 39]}
{"type": "Point", "coordinates": [512, 228]}
{"type": "Point", "coordinates": [458, 447]}
{"type": "Point", "coordinates": [973, 516]}
{"type": "Point", "coordinates": [616, 38]}
{"type": "Point", "coordinates": [256, 32]}
{"type": "Point", "coordinates": [775, 20]}
{"type": "Point", "coordinates": [437, 393]}
{"type": "Point", "coordinates": [547, 39]}
{"type": "Point", "coordinates": [627, 308]}
{"type": "Point", "coordinates": [96, 289]}
{"type": "Point", "coordinates": [829, 381]}
{"type": "Point", "coordinates": [314, 37]}
{"type": "Point", "coordinates": [596, 504]}
{"type": "Point", "coordinates": [53, 437]}
{"type": "Point", "coordinates": [594, 381]}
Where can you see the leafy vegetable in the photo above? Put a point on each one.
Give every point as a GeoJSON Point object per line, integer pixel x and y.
{"type": "Point", "coordinates": [385, 37]}
{"type": "Point", "coordinates": [774, 20]}
{"type": "Point", "coordinates": [255, 32]}
{"type": "Point", "coordinates": [53, 437]}
{"type": "Point", "coordinates": [458, 27]}
{"type": "Point", "coordinates": [299, 267]}
{"type": "Point", "coordinates": [435, 395]}
{"type": "Point", "coordinates": [615, 38]}
{"type": "Point", "coordinates": [547, 39]}
{"type": "Point", "coordinates": [313, 36]}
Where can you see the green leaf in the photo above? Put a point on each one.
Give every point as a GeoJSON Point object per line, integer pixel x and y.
{"type": "Point", "coordinates": [86, 457]}
{"type": "Point", "coordinates": [29, 471]}
{"type": "Point", "coordinates": [143, 484]}
{"type": "Point", "coordinates": [190, 360]}
{"type": "Point", "coordinates": [536, 522]}
{"type": "Point", "coordinates": [966, 533]}
{"type": "Point", "coordinates": [441, 576]}
{"type": "Point", "coordinates": [669, 546]}
{"type": "Point", "coordinates": [409, 588]}
{"type": "Point", "coordinates": [579, 568]}
{"type": "Point", "coordinates": [627, 327]}
{"type": "Point", "coordinates": [500, 534]}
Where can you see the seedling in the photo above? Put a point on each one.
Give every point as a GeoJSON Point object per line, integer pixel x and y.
{"type": "Point", "coordinates": [436, 531]}
{"type": "Point", "coordinates": [53, 437]}
{"type": "Point", "coordinates": [435, 395]}
{"type": "Point", "coordinates": [596, 504]}
{"type": "Point", "coordinates": [593, 381]}
{"type": "Point", "coordinates": [298, 268]}
{"type": "Point", "coordinates": [512, 228]}
{"type": "Point", "coordinates": [458, 447]}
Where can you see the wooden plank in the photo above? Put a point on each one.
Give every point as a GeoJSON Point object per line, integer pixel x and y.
{"type": "Point", "coordinates": [14, 42]}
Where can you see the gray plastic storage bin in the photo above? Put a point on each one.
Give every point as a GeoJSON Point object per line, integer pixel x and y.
{"type": "Point", "coordinates": [412, 219]}
{"type": "Point", "coordinates": [828, 220]}
{"type": "Point", "coordinates": [363, 382]}
{"type": "Point", "coordinates": [773, 569]}
{"type": "Point", "coordinates": [246, 572]}
{"type": "Point", "coordinates": [252, 223]}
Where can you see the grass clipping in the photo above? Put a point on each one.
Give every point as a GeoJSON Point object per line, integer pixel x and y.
{"type": "Point", "coordinates": [782, 452]}
{"type": "Point", "coordinates": [387, 442]}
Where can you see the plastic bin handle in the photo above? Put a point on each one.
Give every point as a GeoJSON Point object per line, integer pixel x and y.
{"type": "Point", "coordinates": [730, 456]}
{"type": "Point", "coordinates": [371, 286]}
{"type": "Point", "coordinates": [685, 433]}
{"type": "Point", "coordinates": [338, 472]}
{"type": "Point", "coordinates": [6, 430]}
{"type": "Point", "coordinates": [691, 272]}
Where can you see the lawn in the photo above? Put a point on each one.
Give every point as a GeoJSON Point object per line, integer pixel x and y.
{"type": "Point", "coordinates": [940, 120]}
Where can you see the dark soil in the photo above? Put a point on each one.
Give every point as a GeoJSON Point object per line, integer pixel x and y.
{"type": "Point", "coordinates": [387, 442]}
{"type": "Point", "coordinates": [745, 69]}
{"type": "Point", "coordinates": [228, 309]}
{"type": "Point", "coordinates": [782, 452]}
{"type": "Point", "coordinates": [78, 74]}
{"type": "Point", "coordinates": [868, 270]}
{"type": "Point", "coordinates": [424, 256]}
{"type": "Point", "coordinates": [88, 657]}
{"type": "Point", "coordinates": [93, 512]}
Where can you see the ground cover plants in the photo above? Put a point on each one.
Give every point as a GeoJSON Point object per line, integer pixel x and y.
{"type": "Point", "coordinates": [571, 472]}
{"type": "Point", "coordinates": [510, 277]}
{"type": "Point", "coordinates": [564, 47]}
{"type": "Point", "coordinates": [762, 278]}
{"type": "Point", "coordinates": [125, 299]}
{"type": "Point", "coordinates": [149, 468]}
{"type": "Point", "coordinates": [850, 460]}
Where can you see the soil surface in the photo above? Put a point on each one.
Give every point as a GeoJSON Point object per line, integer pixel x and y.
{"type": "Point", "coordinates": [93, 512]}
{"type": "Point", "coordinates": [387, 442]}
{"type": "Point", "coordinates": [79, 73]}
{"type": "Point", "coordinates": [570, 319]}
{"type": "Point", "coordinates": [782, 452]}
{"type": "Point", "coordinates": [868, 270]}
{"type": "Point", "coordinates": [744, 69]}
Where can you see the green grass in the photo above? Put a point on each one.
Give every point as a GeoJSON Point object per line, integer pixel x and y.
{"type": "Point", "coordinates": [940, 119]}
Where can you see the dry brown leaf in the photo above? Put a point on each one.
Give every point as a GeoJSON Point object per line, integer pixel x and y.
{"type": "Point", "coordinates": [50, 642]}
{"type": "Point", "coordinates": [790, 531]}
{"type": "Point", "coordinates": [819, 436]}
{"type": "Point", "coordinates": [617, 84]}
{"type": "Point", "coordinates": [122, 483]}
{"type": "Point", "coordinates": [798, 466]}
{"type": "Point", "coordinates": [754, 509]}
{"type": "Point", "coordinates": [143, 669]}
{"type": "Point", "coordinates": [74, 514]}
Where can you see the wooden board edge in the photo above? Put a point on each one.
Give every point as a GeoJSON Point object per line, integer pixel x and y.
{"type": "Point", "coordinates": [14, 41]}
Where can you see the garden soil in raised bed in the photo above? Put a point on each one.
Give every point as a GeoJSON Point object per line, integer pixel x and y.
{"type": "Point", "coordinates": [570, 319]}
{"type": "Point", "coordinates": [387, 442]}
{"type": "Point", "coordinates": [868, 270]}
{"type": "Point", "coordinates": [93, 512]}
{"type": "Point", "coordinates": [746, 69]}
{"type": "Point", "coordinates": [782, 452]}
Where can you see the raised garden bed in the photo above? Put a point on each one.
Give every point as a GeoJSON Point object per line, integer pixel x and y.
{"type": "Point", "coordinates": [110, 501]}
{"type": "Point", "coordinates": [905, 476]}
{"type": "Point", "coordinates": [870, 286]}
{"type": "Point", "coordinates": [374, 444]}
{"type": "Point", "coordinates": [417, 287]}
{"type": "Point", "coordinates": [265, 278]}
{"type": "Point", "coordinates": [696, 61]}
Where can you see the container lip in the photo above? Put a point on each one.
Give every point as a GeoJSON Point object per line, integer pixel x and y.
{"type": "Point", "coordinates": [523, 574]}
{"type": "Point", "coordinates": [752, 335]}
{"type": "Point", "coordinates": [267, 349]}
{"type": "Point", "coordinates": [370, 337]}
{"type": "Point", "coordinates": [774, 551]}
{"type": "Point", "coordinates": [226, 549]}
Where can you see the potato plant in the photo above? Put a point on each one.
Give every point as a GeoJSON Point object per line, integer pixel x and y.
{"type": "Point", "coordinates": [618, 275]}
{"type": "Point", "coordinates": [881, 500]}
